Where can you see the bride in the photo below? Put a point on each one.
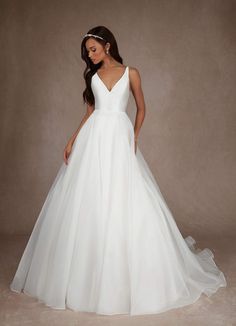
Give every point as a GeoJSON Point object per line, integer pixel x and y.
{"type": "Point", "coordinates": [105, 240]}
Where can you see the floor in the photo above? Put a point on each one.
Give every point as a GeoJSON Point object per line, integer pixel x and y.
{"type": "Point", "coordinates": [20, 309]}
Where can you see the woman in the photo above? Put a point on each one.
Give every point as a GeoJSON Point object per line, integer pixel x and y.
{"type": "Point", "coordinates": [105, 240]}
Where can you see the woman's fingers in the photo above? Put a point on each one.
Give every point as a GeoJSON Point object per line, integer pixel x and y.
{"type": "Point", "coordinates": [65, 156]}
{"type": "Point", "coordinates": [66, 153]}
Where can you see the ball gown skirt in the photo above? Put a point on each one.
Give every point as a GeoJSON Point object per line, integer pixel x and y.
{"type": "Point", "coordinates": [105, 240]}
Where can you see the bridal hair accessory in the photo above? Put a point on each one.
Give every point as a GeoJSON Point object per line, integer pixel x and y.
{"type": "Point", "coordinates": [94, 36]}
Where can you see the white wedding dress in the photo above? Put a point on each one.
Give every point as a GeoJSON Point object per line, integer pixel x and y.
{"type": "Point", "coordinates": [105, 240]}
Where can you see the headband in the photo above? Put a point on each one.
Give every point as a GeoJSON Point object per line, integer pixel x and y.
{"type": "Point", "coordinates": [93, 35]}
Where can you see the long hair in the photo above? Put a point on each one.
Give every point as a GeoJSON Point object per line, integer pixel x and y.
{"type": "Point", "coordinates": [91, 68]}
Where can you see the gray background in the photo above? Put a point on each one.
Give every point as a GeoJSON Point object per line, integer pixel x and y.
{"type": "Point", "coordinates": [185, 53]}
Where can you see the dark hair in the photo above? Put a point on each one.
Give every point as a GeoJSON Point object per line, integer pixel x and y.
{"type": "Point", "coordinates": [91, 68]}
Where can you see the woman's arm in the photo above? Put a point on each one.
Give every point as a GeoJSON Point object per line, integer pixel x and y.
{"type": "Point", "coordinates": [68, 148]}
{"type": "Point", "coordinates": [136, 88]}
{"type": "Point", "coordinates": [90, 110]}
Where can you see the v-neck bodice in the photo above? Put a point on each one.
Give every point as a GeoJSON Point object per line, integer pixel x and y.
{"type": "Point", "coordinates": [114, 100]}
{"type": "Point", "coordinates": [110, 90]}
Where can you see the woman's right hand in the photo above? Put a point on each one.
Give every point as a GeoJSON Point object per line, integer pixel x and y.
{"type": "Point", "coordinates": [67, 152]}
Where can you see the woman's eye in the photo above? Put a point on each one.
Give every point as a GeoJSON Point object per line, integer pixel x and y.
{"type": "Point", "coordinates": [93, 50]}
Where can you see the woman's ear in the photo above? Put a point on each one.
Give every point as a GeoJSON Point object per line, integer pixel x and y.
{"type": "Point", "coordinates": [107, 46]}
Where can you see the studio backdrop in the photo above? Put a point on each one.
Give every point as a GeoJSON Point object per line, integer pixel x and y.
{"type": "Point", "coordinates": [185, 53]}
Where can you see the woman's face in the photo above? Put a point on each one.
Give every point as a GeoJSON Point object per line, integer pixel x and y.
{"type": "Point", "coordinates": [95, 50]}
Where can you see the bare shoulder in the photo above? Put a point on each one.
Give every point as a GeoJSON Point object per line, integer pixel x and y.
{"type": "Point", "coordinates": [134, 75]}
{"type": "Point", "coordinates": [134, 72]}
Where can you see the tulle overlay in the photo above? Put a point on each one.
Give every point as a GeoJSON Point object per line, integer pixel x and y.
{"type": "Point", "coordinates": [105, 240]}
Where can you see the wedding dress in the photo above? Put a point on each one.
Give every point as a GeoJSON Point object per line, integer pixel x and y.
{"type": "Point", "coordinates": [105, 240]}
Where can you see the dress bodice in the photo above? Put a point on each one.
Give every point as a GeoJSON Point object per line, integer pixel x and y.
{"type": "Point", "coordinates": [116, 99]}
